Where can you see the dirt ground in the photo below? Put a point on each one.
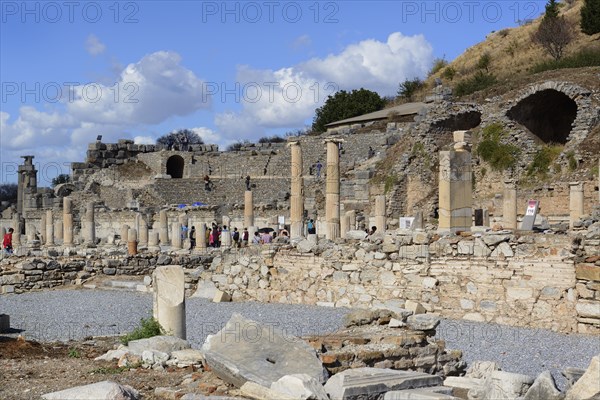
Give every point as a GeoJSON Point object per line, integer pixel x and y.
{"type": "Point", "coordinates": [29, 369]}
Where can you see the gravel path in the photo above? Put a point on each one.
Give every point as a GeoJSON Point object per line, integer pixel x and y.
{"type": "Point", "coordinates": [75, 314]}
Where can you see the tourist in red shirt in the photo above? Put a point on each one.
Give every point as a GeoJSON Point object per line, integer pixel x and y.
{"type": "Point", "coordinates": [7, 241]}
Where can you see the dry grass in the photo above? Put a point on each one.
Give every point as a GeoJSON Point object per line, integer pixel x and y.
{"type": "Point", "coordinates": [512, 51]}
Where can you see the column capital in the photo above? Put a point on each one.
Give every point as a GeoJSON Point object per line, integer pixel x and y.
{"type": "Point", "coordinates": [333, 140]}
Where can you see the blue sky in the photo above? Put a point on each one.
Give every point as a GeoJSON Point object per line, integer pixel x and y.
{"type": "Point", "coordinates": [228, 70]}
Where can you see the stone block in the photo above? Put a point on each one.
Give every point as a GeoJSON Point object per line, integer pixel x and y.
{"type": "Point", "coordinates": [544, 387]}
{"type": "Point", "coordinates": [503, 250]}
{"type": "Point", "coordinates": [221, 297]}
{"type": "Point", "coordinates": [245, 350]}
{"type": "Point", "coordinates": [163, 344]}
{"type": "Point", "coordinates": [371, 383]}
{"type": "Point", "coordinates": [430, 393]}
{"type": "Point", "coordinates": [205, 290]}
{"type": "Point", "coordinates": [588, 308]}
{"type": "Point", "coordinates": [588, 386]}
{"type": "Point", "coordinates": [300, 386]}
{"type": "Point", "coordinates": [423, 322]}
{"type": "Point", "coordinates": [414, 307]}
{"type": "Point", "coordinates": [99, 390]}
{"type": "Point", "coordinates": [588, 272]}
{"type": "Point", "coordinates": [502, 386]}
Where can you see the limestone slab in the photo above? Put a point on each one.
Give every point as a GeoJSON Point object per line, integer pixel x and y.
{"type": "Point", "coordinates": [371, 383]}
{"type": "Point", "coordinates": [245, 350]}
{"type": "Point", "coordinates": [105, 390]}
{"type": "Point", "coordinates": [544, 387]}
{"type": "Point", "coordinates": [164, 344]}
{"type": "Point", "coordinates": [300, 386]}
{"type": "Point", "coordinates": [423, 322]}
{"type": "Point", "coordinates": [430, 393]}
{"type": "Point", "coordinates": [588, 386]}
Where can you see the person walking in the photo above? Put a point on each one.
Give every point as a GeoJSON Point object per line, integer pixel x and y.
{"type": "Point", "coordinates": [7, 242]}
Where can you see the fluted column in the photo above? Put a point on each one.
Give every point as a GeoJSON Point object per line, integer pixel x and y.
{"type": "Point", "coordinates": [67, 221]}
{"type": "Point", "coordinates": [332, 190]}
{"type": "Point", "coordinates": [297, 191]}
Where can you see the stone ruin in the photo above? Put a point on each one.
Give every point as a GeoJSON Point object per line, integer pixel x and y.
{"type": "Point", "coordinates": [123, 213]}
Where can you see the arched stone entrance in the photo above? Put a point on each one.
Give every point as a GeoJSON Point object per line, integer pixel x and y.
{"type": "Point", "coordinates": [549, 114]}
{"type": "Point", "coordinates": [175, 166]}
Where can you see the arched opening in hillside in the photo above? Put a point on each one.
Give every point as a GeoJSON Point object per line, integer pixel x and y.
{"type": "Point", "coordinates": [459, 122]}
{"type": "Point", "coordinates": [548, 114]}
{"type": "Point", "coordinates": [175, 167]}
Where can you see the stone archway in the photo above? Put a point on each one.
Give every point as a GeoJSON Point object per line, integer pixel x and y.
{"type": "Point", "coordinates": [175, 166]}
{"type": "Point", "coordinates": [549, 114]}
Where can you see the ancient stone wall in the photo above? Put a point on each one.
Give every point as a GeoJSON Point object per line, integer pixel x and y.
{"type": "Point", "coordinates": [541, 281]}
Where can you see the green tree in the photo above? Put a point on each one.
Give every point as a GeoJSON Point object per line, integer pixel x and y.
{"type": "Point", "coordinates": [409, 87]}
{"type": "Point", "coordinates": [344, 105]}
{"type": "Point", "coordinates": [181, 138]}
{"type": "Point", "coordinates": [8, 192]}
{"type": "Point", "coordinates": [62, 178]}
{"type": "Point", "coordinates": [590, 17]}
{"type": "Point", "coordinates": [554, 33]}
{"type": "Point", "coordinates": [449, 73]}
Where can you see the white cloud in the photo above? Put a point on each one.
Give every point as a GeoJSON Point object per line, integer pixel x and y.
{"type": "Point", "coordinates": [94, 46]}
{"type": "Point", "coordinates": [144, 140]}
{"type": "Point", "coordinates": [147, 92]}
{"type": "Point", "coordinates": [291, 95]}
{"type": "Point", "coordinates": [301, 42]}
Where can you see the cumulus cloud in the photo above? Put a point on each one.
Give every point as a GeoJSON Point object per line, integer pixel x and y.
{"type": "Point", "coordinates": [144, 140]}
{"type": "Point", "coordinates": [301, 42]}
{"type": "Point", "coordinates": [94, 46]}
{"type": "Point", "coordinates": [290, 95]}
{"type": "Point", "coordinates": [148, 92]}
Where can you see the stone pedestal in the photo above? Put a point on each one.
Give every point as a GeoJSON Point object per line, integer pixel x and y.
{"type": "Point", "coordinates": [575, 202]}
{"type": "Point", "coordinates": [455, 190]}
{"type": "Point", "coordinates": [297, 192]}
{"type": "Point", "coordinates": [163, 227]}
{"type": "Point", "coordinates": [509, 206]}
{"type": "Point", "coordinates": [169, 299]}
{"type": "Point", "coordinates": [89, 227]}
{"type": "Point", "coordinates": [332, 190]}
{"type": "Point", "coordinates": [380, 221]}
{"type": "Point", "coordinates": [153, 241]}
{"type": "Point", "coordinates": [67, 221]}
{"type": "Point", "coordinates": [49, 228]}
{"type": "Point", "coordinates": [226, 239]}
{"type": "Point", "coordinates": [248, 208]}
{"type": "Point", "coordinates": [344, 225]}
{"type": "Point", "coordinates": [132, 242]}
{"type": "Point", "coordinates": [176, 241]}
{"type": "Point", "coordinates": [351, 219]}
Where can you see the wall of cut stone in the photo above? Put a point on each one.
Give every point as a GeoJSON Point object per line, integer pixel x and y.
{"type": "Point", "coordinates": [542, 281]}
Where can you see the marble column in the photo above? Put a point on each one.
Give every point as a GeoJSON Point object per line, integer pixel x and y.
{"type": "Point", "coordinates": [201, 237]}
{"type": "Point", "coordinates": [297, 192]}
{"type": "Point", "coordinates": [455, 187]}
{"type": "Point", "coordinates": [575, 202]}
{"type": "Point", "coordinates": [49, 228]}
{"type": "Point", "coordinates": [176, 235]}
{"type": "Point", "coordinates": [380, 220]}
{"type": "Point", "coordinates": [143, 232]}
{"type": "Point", "coordinates": [153, 241]}
{"type": "Point", "coordinates": [169, 299]}
{"type": "Point", "coordinates": [124, 233]}
{"type": "Point", "coordinates": [67, 221]}
{"type": "Point", "coordinates": [89, 230]}
{"type": "Point", "coordinates": [132, 242]}
{"type": "Point", "coordinates": [58, 230]}
{"type": "Point", "coordinates": [332, 190]}
{"type": "Point", "coordinates": [248, 208]}
{"type": "Point", "coordinates": [509, 206]}
{"type": "Point", "coordinates": [43, 228]}
{"type": "Point", "coordinates": [163, 227]}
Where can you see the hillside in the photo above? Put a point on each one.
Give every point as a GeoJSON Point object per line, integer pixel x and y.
{"type": "Point", "coordinates": [513, 54]}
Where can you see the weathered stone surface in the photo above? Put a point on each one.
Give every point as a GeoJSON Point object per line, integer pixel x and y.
{"type": "Point", "coordinates": [205, 290]}
{"type": "Point", "coordinates": [415, 307]}
{"type": "Point", "coordinates": [588, 308]}
{"type": "Point", "coordinates": [502, 386]}
{"type": "Point", "coordinates": [169, 299]}
{"type": "Point", "coordinates": [164, 344]}
{"type": "Point", "coordinates": [105, 390]}
{"type": "Point", "coordinates": [356, 235]}
{"type": "Point", "coordinates": [255, 391]}
{"type": "Point", "coordinates": [221, 297]}
{"type": "Point", "coordinates": [588, 272]}
{"type": "Point", "coordinates": [544, 387]}
{"type": "Point", "coordinates": [306, 246]}
{"type": "Point", "coordinates": [423, 322]}
{"type": "Point", "coordinates": [588, 386]}
{"type": "Point", "coordinates": [430, 393]}
{"type": "Point", "coordinates": [462, 382]}
{"type": "Point", "coordinates": [300, 386]}
{"type": "Point", "coordinates": [245, 350]}
{"type": "Point", "coordinates": [187, 356]}
{"type": "Point", "coordinates": [370, 383]}
{"type": "Point", "coordinates": [503, 249]}
{"type": "Point", "coordinates": [482, 369]}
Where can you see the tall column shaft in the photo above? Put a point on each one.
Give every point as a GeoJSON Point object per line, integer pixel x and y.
{"type": "Point", "coordinates": [163, 227]}
{"type": "Point", "coordinates": [455, 191]}
{"type": "Point", "coordinates": [509, 206]}
{"type": "Point", "coordinates": [297, 191]}
{"type": "Point", "coordinates": [201, 236]}
{"type": "Point", "coordinates": [380, 221]}
{"type": "Point", "coordinates": [575, 202]}
{"type": "Point", "coordinates": [248, 208]}
{"type": "Point", "coordinates": [89, 232]}
{"type": "Point", "coordinates": [43, 229]}
{"type": "Point", "coordinates": [49, 228]}
{"type": "Point", "coordinates": [143, 232]}
{"type": "Point", "coordinates": [176, 235]}
{"type": "Point", "coordinates": [67, 221]}
{"type": "Point", "coordinates": [332, 190]}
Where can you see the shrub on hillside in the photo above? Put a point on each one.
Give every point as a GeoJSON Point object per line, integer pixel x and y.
{"type": "Point", "coordinates": [438, 64]}
{"type": "Point", "coordinates": [479, 81]}
{"type": "Point", "coordinates": [499, 155]}
{"type": "Point", "coordinates": [271, 139]}
{"type": "Point", "coordinates": [584, 58]}
{"type": "Point", "coordinates": [590, 17]}
{"type": "Point", "coordinates": [543, 159]}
